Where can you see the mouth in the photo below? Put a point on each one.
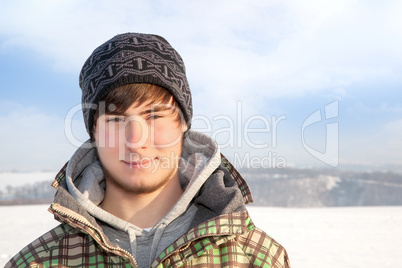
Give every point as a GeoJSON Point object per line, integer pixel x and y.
{"type": "Point", "coordinates": [142, 163]}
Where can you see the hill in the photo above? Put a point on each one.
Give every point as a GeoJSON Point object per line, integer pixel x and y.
{"type": "Point", "coordinates": [276, 187]}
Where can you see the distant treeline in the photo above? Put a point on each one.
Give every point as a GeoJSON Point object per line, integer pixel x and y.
{"type": "Point", "coordinates": [35, 193]}
{"type": "Point", "coordinates": [323, 188]}
{"type": "Point", "coordinates": [276, 187]}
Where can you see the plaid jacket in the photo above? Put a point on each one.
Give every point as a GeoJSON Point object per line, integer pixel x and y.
{"type": "Point", "coordinates": [228, 240]}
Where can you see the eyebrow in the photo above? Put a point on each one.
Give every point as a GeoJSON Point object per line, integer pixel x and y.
{"type": "Point", "coordinates": [153, 109]}
{"type": "Point", "coordinates": [156, 108]}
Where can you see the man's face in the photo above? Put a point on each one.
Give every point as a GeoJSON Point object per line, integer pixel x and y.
{"type": "Point", "coordinates": [140, 149]}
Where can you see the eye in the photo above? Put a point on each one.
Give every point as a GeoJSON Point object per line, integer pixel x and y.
{"type": "Point", "coordinates": [115, 119]}
{"type": "Point", "coordinates": [154, 116]}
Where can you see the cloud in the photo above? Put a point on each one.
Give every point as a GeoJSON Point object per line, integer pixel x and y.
{"type": "Point", "coordinates": [394, 127]}
{"type": "Point", "coordinates": [378, 146]}
{"type": "Point", "coordinates": [32, 139]}
{"type": "Point", "coordinates": [276, 48]}
{"type": "Point", "coordinates": [257, 52]}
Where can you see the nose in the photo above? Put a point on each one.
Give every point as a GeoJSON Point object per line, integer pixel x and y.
{"type": "Point", "coordinates": [136, 132]}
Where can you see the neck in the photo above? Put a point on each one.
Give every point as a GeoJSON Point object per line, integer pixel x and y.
{"type": "Point", "coordinates": [142, 210]}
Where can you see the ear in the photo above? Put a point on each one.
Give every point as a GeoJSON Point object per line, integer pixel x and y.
{"type": "Point", "coordinates": [184, 127]}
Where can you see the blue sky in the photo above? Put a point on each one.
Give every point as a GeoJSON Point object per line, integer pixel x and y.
{"type": "Point", "coordinates": [281, 59]}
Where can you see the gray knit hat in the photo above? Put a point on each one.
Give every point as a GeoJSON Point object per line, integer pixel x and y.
{"type": "Point", "coordinates": [133, 58]}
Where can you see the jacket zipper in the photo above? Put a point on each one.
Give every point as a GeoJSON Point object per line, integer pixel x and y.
{"type": "Point", "coordinates": [59, 209]}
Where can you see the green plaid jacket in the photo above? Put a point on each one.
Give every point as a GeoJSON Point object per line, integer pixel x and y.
{"type": "Point", "coordinates": [228, 240]}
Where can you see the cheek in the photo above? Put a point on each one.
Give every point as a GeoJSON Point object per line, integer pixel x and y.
{"type": "Point", "coordinates": [108, 148]}
{"type": "Point", "coordinates": [107, 137]}
{"type": "Point", "coordinates": [167, 136]}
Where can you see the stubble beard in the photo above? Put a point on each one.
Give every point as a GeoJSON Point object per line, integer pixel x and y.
{"type": "Point", "coordinates": [132, 188]}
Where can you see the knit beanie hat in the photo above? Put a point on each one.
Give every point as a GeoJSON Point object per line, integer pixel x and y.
{"type": "Point", "coordinates": [133, 58]}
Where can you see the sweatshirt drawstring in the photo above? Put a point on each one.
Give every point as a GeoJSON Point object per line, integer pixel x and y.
{"type": "Point", "coordinates": [155, 243]}
{"type": "Point", "coordinates": [133, 241]}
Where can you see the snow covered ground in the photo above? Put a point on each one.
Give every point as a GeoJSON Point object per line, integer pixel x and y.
{"type": "Point", "coordinates": [314, 237]}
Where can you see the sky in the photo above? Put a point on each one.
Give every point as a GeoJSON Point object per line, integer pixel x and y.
{"type": "Point", "coordinates": [314, 83]}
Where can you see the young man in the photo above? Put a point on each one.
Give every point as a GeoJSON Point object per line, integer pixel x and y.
{"type": "Point", "coordinates": [145, 190]}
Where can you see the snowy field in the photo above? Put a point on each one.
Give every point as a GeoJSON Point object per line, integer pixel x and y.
{"type": "Point", "coordinates": [314, 237]}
